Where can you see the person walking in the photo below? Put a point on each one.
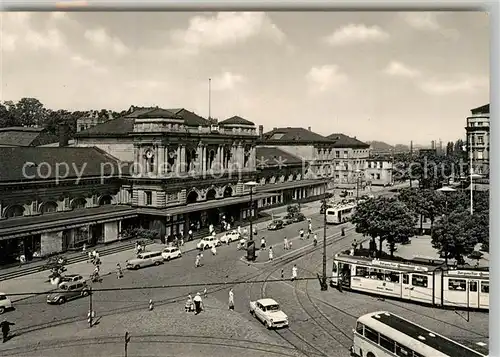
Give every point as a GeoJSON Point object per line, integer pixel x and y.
{"type": "Point", "coordinates": [315, 240]}
{"type": "Point", "coordinates": [84, 249]}
{"type": "Point", "coordinates": [294, 272]}
{"type": "Point", "coordinates": [263, 243]}
{"type": "Point", "coordinates": [198, 304]}
{"type": "Point", "coordinates": [188, 307]}
{"type": "Point", "coordinates": [231, 299]}
{"type": "Point", "coordinates": [119, 272]}
{"type": "Point", "coordinates": [239, 230]}
{"type": "Point", "coordinates": [271, 254]}
{"type": "Point", "coordinates": [282, 273]}
{"type": "Point", "coordinates": [197, 261]}
{"type": "Point", "coordinates": [210, 228]}
{"type": "Point", "coordinates": [6, 329]}
{"type": "Point", "coordinates": [214, 250]}
{"type": "Point", "coordinates": [301, 232]}
{"type": "Point", "coordinates": [285, 243]}
{"type": "Point", "coordinates": [310, 228]}
{"type": "Point", "coordinates": [190, 235]}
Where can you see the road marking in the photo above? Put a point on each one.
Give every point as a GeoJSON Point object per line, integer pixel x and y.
{"type": "Point", "coordinates": [482, 344]}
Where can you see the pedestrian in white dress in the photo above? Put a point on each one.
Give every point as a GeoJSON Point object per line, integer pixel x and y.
{"type": "Point", "coordinates": [231, 300]}
{"type": "Point", "coordinates": [214, 250]}
{"type": "Point", "coordinates": [285, 244]}
{"type": "Point", "coordinates": [294, 272]}
{"type": "Point", "coordinates": [271, 255]}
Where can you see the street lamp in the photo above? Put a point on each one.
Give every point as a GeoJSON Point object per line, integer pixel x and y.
{"type": "Point", "coordinates": [324, 285]}
{"type": "Point", "coordinates": [251, 245]}
{"type": "Point", "coordinates": [446, 190]}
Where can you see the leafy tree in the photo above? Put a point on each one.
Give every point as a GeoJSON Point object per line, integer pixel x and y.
{"type": "Point", "coordinates": [450, 236]}
{"type": "Point", "coordinates": [6, 117]}
{"type": "Point", "coordinates": [477, 229]}
{"type": "Point", "coordinates": [29, 112]}
{"type": "Point", "coordinates": [386, 218]}
{"type": "Point", "coordinates": [450, 147]}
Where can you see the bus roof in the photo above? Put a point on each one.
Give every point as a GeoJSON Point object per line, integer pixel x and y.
{"type": "Point", "coordinates": [386, 264]}
{"type": "Point", "coordinates": [422, 335]}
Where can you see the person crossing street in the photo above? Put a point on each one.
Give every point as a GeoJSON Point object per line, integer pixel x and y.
{"type": "Point", "coordinates": [263, 243]}
{"type": "Point", "coordinates": [294, 272]}
{"type": "Point", "coordinates": [231, 299]}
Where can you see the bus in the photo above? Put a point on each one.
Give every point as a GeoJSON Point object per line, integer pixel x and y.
{"type": "Point", "coordinates": [384, 334]}
{"type": "Point", "coordinates": [340, 213]}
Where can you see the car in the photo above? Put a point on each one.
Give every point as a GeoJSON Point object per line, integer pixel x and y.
{"type": "Point", "coordinates": [145, 259]}
{"type": "Point", "coordinates": [171, 253]}
{"type": "Point", "coordinates": [208, 242]}
{"type": "Point", "coordinates": [229, 237]}
{"type": "Point", "coordinates": [287, 221]}
{"type": "Point", "coordinates": [275, 225]}
{"type": "Point", "coordinates": [68, 291]}
{"type": "Point", "coordinates": [71, 278]}
{"type": "Point", "coordinates": [269, 313]}
{"type": "Point", "coordinates": [5, 303]}
{"type": "Point", "coordinates": [299, 217]}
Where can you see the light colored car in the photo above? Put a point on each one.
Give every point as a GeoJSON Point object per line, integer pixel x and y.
{"type": "Point", "coordinates": [171, 253]}
{"type": "Point", "coordinates": [71, 278]}
{"type": "Point", "coordinates": [5, 303]}
{"type": "Point", "coordinates": [145, 259]}
{"type": "Point", "coordinates": [269, 313]}
{"type": "Point", "coordinates": [68, 291]}
{"type": "Point", "coordinates": [208, 242]}
{"type": "Point", "coordinates": [229, 237]}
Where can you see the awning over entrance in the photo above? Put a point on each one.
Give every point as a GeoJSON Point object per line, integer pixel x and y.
{"type": "Point", "coordinates": [288, 185]}
{"type": "Point", "coordinates": [203, 205]}
{"type": "Point", "coordinates": [22, 226]}
{"type": "Point", "coordinates": [479, 187]}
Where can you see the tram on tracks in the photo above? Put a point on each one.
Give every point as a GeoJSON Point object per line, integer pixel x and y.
{"type": "Point", "coordinates": [428, 284]}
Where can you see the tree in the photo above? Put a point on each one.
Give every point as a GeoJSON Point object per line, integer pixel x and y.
{"type": "Point", "coordinates": [431, 204]}
{"type": "Point", "coordinates": [450, 147]}
{"type": "Point", "coordinates": [477, 229]}
{"type": "Point", "coordinates": [450, 236]}
{"type": "Point", "coordinates": [29, 112]}
{"type": "Point", "coordinates": [386, 218]}
{"type": "Point", "coordinates": [7, 118]}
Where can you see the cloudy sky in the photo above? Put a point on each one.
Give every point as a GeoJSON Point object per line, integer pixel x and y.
{"type": "Point", "coordinates": [377, 76]}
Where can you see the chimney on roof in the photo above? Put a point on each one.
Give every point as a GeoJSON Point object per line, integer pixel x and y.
{"type": "Point", "coordinates": [63, 134]}
{"type": "Point", "coordinates": [261, 131]}
{"type": "Point", "coordinates": [309, 128]}
{"type": "Point", "coordinates": [275, 128]}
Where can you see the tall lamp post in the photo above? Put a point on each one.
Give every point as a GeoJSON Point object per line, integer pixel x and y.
{"type": "Point", "coordinates": [446, 190]}
{"type": "Point", "coordinates": [324, 285]}
{"type": "Point", "coordinates": [251, 245]}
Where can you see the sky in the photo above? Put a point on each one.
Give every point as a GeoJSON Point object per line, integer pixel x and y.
{"type": "Point", "coordinates": [386, 76]}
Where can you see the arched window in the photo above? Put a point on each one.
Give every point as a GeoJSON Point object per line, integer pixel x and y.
{"type": "Point", "coordinates": [192, 197]}
{"type": "Point", "coordinates": [14, 211]}
{"type": "Point", "coordinates": [105, 200]}
{"type": "Point", "coordinates": [228, 192]}
{"type": "Point", "coordinates": [78, 203]}
{"type": "Point", "coordinates": [48, 207]}
{"type": "Point", "coordinates": [211, 195]}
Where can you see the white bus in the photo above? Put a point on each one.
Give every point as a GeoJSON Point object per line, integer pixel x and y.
{"type": "Point", "coordinates": [340, 214]}
{"type": "Point", "coordinates": [383, 334]}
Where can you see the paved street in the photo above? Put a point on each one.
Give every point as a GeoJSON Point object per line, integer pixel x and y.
{"type": "Point", "coordinates": [321, 322]}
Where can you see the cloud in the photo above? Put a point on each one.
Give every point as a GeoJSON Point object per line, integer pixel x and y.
{"type": "Point", "coordinates": [422, 20]}
{"type": "Point", "coordinates": [100, 38]}
{"type": "Point", "coordinates": [399, 69]}
{"type": "Point", "coordinates": [86, 63]}
{"type": "Point", "coordinates": [226, 81]}
{"type": "Point", "coordinates": [461, 84]}
{"type": "Point", "coordinates": [354, 33]}
{"type": "Point", "coordinates": [225, 28]}
{"type": "Point", "coordinates": [324, 77]}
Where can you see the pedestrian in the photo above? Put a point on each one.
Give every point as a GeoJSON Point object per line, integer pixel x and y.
{"type": "Point", "coordinates": [197, 261]}
{"type": "Point", "coordinates": [354, 243]}
{"type": "Point", "coordinates": [228, 226]}
{"type": "Point", "coordinates": [301, 232]}
{"type": "Point", "coordinates": [294, 272]}
{"type": "Point", "coordinates": [282, 273]}
{"type": "Point", "coordinates": [119, 272]}
{"type": "Point", "coordinates": [254, 231]}
{"type": "Point", "coordinates": [308, 234]}
{"type": "Point", "coordinates": [310, 227]}
{"type": "Point", "coordinates": [245, 232]}
{"type": "Point", "coordinates": [285, 244]}
{"type": "Point", "coordinates": [290, 245]}
{"type": "Point", "coordinates": [90, 257]}
{"type": "Point", "coordinates": [270, 253]}
{"type": "Point", "coordinates": [188, 307]}
{"type": "Point", "coordinates": [6, 329]}
{"type": "Point", "coordinates": [214, 250]}
{"type": "Point", "coordinates": [198, 304]}
{"type": "Point", "coordinates": [94, 253]}
{"type": "Point", "coordinates": [205, 293]}
{"type": "Point", "coordinates": [190, 235]}
{"type": "Point", "coordinates": [213, 234]}
{"type": "Point", "coordinates": [182, 241]}
{"type": "Point", "coordinates": [263, 243]}
{"type": "Point", "coordinates": [84, 249]}
{"type": "Point", "coordinates": [315, 241]}
{"type": "Point", "coordinates": [231, 299]}
{"type": "Point", "coordinates": [239, 230]}
{"type": "Point", "coordinates": [210, 228]}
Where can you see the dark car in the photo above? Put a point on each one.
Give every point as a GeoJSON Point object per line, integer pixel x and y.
{"type": "Point", "coordinates": [299, 217]}
{"type": "Point", "coordinates": [275, 225]}
{"type": "Point", "coordinates": [287, 221]}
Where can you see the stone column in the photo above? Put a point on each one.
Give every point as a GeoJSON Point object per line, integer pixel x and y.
{"type": "Point", "coordinates": [253, 154]}
{"type": "Point", "coordinates": [199, 159]}
{"type": "Point", "coordinates": [240, 154]}
{"type": "Point", "coordinates": [203, 159]}
{"type": "Point", "coordinates": [166, 159]}
{"type": "Point", "coordinates": [222, 158]}
{"type": "Point", "coordinates": [178, 160]}
{"type": "Point", "coordinates": [217, 158]}
{"type": "Point", "coordinates": [183, 158]}
{"type": "Point", "coordinates": [161, 160]}
{"type": "Point", "coordinates": [156, 160]}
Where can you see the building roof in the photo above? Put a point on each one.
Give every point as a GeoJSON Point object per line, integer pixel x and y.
{"type": "Point", "coordinates": [268, 156]}
{"type": "Point", "coordinates": [190, 118]}
{"type": "Point", "coordinates": [39, 163]}
{"type": "Point", "coordinates": [484, 109]}
{"type": "Point", "coordinates": [298, 135]}
{"type": "Point", "coordinates": [115, 127]}
{"type": "Point", "coordinates": [159, 113]}
{"type": "Point", "coordinates": [21, 136]}
{"type": "Point", "coordinates": [344, 141]}
{"type": "Point", "coordinates": [236, 120]}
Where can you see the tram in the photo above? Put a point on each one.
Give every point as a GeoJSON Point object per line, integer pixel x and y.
{"type": "Point", "coordinates": [340, 213]}
{"type": "Point", "coordinates": [428, 284]}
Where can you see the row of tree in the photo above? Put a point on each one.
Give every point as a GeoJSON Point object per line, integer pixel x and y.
{"type": "Point", "coordinates": [454, 230]}
{"type": "Point", "coordinates": [30, 112]}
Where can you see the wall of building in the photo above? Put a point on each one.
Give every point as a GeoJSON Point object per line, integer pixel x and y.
{"type": "Point", "coordinates": [306, 152]}
{"type": "Point", "coordinates": [379, 173]}
{"type": "Point", "coordinates": [110, 231]}
{"type": "Point", "coordinates": [122, 148]}
{"type": "Point", "coordinates": [478, 139]}
{"type": "Point", "coordinates": [51, 243]}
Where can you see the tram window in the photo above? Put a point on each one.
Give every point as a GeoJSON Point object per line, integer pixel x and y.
{"type": "Point", "coordinates": [387, 343]}
{"type": "Point", "coordinates": [419, 280]}
{"type": "Point", "coordinates": [473, 286]}
{"type": "Point", "coordinates": [392, 277]}
{"type": "Point", "coordinates": [371, 334]}
{"type": "Point", "coordinates": [402, 351]}
{"type": "Point", "coordinates": [485, 287]}
{"type": "Point", "coordinates": [359, 328]}
{"type": "Point", "coordinates": [334, 268]}
{"type": "Point", "coordinates": [362, 271]}
{"type": "Point", "coordinates": [456, 284]}
{"type": "Point", "coordinates": [381, 275]}
{"type": "Point", "coordinates": [406, 278]}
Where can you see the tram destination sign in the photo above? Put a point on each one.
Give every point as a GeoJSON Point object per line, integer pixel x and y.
{"type": "Point", "coordinates": [469, 273]}
{"type": "Point", "coordinates": [398, 265]}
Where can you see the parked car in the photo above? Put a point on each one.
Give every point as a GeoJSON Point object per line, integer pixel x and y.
{"type": "Point", "coordinates": [275, 225]}
{"type": "Point", "coordinates": [229, 237]}
{"type": "Point", "coordinates": [171, 253]}
{"type": "Point", "coordinates": [299, 217]}
{"type": "Point", "coordinates": [68, 291]}
{"type": "Point", "coordinates": [5, 303]}
{"type": "Point", "coordinates": [71, 278]}
{"type": "Point", "coordinates": [287, 221]}
{"type": "Point", "coordinates": [269, 313]}
{"type": "Point", "coordinates": [144, 260]}
{"type": "Point", "coordinates": [208, 243]}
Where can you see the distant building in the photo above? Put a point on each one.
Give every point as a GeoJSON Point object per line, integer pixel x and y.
{"type": "Point", "coordinates": [94, 118]}
{"type": "Point", "coordinates": [478, 139]}
{"type": "Point", "coordinates": [24, 136]}
{"type": "Point", "coordinates": [379, 171]}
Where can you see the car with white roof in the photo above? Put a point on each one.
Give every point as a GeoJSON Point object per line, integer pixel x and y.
{"type": "Point", "coordinates": [71, 278]}
{"type": "Point", "coordinates": [5, 303]}
{"type": "Point", "coordinates": [208, 242]}
{"type": "Point", "coordinates": [269, 313]}
{"type": "Point", "coordinates": [171, 253]}
{"type": "Point", "coordinates": [229, 237]}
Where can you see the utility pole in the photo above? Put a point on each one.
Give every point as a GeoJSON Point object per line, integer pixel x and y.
{"type": "Point", "coordinates": [209, 98]}
{"type": "Point", "coordinates": [91, 311]}
{"type": "Point", "coordinates": [324, 285]}
{"type": "Point", "coordinates": [127, 340]}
